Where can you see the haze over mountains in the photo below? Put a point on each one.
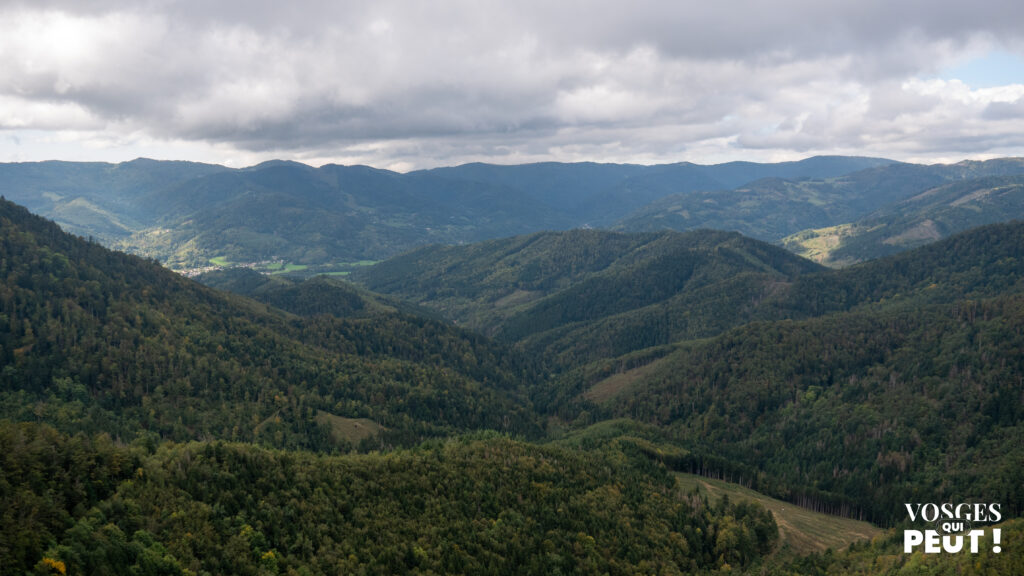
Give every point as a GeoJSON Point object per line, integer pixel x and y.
{"type": "Point", "coordinates": [330, 218]}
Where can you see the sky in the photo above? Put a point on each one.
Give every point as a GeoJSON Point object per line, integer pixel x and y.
{"type": "Point", "coordinates": [413, 84]}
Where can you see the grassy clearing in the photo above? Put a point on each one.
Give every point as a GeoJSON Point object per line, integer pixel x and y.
{"type": "Point", "coordinates": [618, 383]}
{"type": "Point", "coordinates": [817, 245]}
{"type": "Point", "coordinates": [351, 430]}
{"type": "Point", "coordinates": [220, 261]}
{"type": "Point", "coordinates": [284, 268]}
{"type": "Point", "coordinates": [803, 530]}
{"type": "Point", "coordinates": [518, 297]}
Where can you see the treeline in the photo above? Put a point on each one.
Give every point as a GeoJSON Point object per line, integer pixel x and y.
{"type": "Point", "coordinates": [717, 467]}
{"type": "Point", "coordinates": [484, 505]}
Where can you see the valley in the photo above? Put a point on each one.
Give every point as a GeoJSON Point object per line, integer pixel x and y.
{"type": "Point", "coordinates": [445, 372]}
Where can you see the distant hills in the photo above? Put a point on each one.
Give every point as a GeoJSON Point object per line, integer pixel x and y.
{"type": "Point", "coordinates": [774, 208]}
{"type": "Point", "coordinates": [598, 195]}
{"type": "Point", "coordinates": [288, 217]}
{"type": "Point", "coordinates": [935, 213]}
{"type": "Point", "coordinates": [329, 218]}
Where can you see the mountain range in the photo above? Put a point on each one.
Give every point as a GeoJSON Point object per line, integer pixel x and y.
{"type": "Point", "coordinates": [515, 398]}
{"type": "Point", "coordinates": [285, 216]}
{"type": "Point", "coordinates": [186, 214]}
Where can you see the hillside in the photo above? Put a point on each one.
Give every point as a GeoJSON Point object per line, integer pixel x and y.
{"type": "Point", "coordinates": [923, 218]}
{"type": "Point", "coordinates": [774, 208]}
{"type": "Point", "coordinates": [893, 380]}
{"type": "Point", "coordinates": [599, 194]}
{"type": "Point", "coordinates": [485, 505]}
{"type": "Point", "coordinates": [98, 341]}
{"type": "Point", "coordinates": [803, 530]}
{"type": "Point", "coordinates": [142, 413]}
{"type": "Point", "coordinates": [326, 219]}
{"type": "Point", "coordinates": [92, 198]}
{"type": "Point", "coordinates": [318, 295]}
{"type": "Point", "coordinates": [580, 295]}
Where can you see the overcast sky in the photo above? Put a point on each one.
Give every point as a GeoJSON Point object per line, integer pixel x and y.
{"type": "Point", "coordinates": [412, 84]}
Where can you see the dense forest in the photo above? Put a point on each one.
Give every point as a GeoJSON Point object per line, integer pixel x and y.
{"type": "Point", "coordinates": [271, 425]}
{"type": "Point", "coordinates": [581, 295]}
{"type": "Point", "coordinates": [99, 341]}
{"type": "Point", "coordinates": [472, 506]}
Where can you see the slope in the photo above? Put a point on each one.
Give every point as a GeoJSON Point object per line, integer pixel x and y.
{"type": "Point", "coordinates": [925, 217]}
{"type": "Point", "coordinates": [93, 340]}
{"type": "Point", "coordinates": [901, 383]}
{"type": "Point", "coordinates": [803, 530]}
{"type": "Point", "coordinates": [485, 505]}
{"type": "Point", "coordinates": [584, 294]}
{"type": "Point", "coordinates": [599, 194]}
{"type": "Point", "coordinates": [318, 295]}
{"type": "Point", "coordinates": [773, 208]}
{"type": "Point", "coordinates": [186, 214]}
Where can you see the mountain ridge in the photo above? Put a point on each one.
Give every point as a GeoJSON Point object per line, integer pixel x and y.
{"type": "Point", "coordinates": [186, 214]}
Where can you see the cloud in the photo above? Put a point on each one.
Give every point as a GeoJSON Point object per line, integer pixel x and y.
{"type": "Point", "coordinates": [419, 84]}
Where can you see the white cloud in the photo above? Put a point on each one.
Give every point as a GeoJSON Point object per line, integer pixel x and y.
{"type": "Point", "coordinates": [395, 83]}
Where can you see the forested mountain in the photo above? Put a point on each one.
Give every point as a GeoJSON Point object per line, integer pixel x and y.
{"type": "Point", "coordinates": [485, 505]}
{"type": "Point", "coordinates": [856, 412]}
{"type": "Point", "coordinates": [599, 194]}
{"type": "Point", "coordinates": [321, 216]}
{"type": "Point", "coordinates": [319, 295]}
{"type": "Point", "coordinates": [94, 198]}
{"type": "Point", "coordinates": [901, 383]}
{"type": "Point", "coordinates": [152, 425]}
{"type": "Point", "coordinates": [581, 295]}
{"type": "Point", "coordinates": [99, 341]}
{"type": "Point", "coordinates": [186, 214]}
{"type": "Point", "coordinates": [920, 219]}
{"type": "Point", "coordinates": [898, 348]}
{"type": "Point", "coordinates": [771, 209]}
{"type": "Point", "coordinates": [849, 390]}
{"type": "Point", "coordinates": [586, 294]}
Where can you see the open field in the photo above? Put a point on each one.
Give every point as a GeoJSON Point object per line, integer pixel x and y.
{"type": "Point", "coordinates": [351, 430]}
{"type": "Point", "coordinates": [802, 529]}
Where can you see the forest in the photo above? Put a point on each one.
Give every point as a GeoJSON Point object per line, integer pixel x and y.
{"type": "Point", "coordinates": [515, 406]}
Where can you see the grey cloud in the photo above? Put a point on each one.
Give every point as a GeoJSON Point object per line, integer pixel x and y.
{"type": "Point", "coordinates": [998, 111]}
{"type": "Point", "coordinates": [489, 79]}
